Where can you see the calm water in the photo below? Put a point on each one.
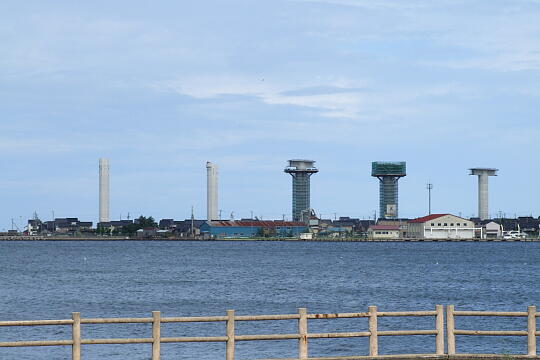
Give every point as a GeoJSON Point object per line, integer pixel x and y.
{"type": "Point", "coordinates": [49, 280]}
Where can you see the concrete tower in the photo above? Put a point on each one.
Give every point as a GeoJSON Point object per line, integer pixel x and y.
{"type": "Point", "coordinates": [483, 173]}
{"type": "Point", "coordinates": [301, 171]}
{"type": "Point", "coordinates": [103, 190]}
{"type": "Point", "coordinates": [388, 174]}
{"type": "Point", "coordinates": [211, 191]}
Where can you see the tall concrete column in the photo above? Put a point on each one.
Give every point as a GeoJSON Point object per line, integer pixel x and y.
{"type": "Point", "coordinates": [211, 191]}
{"type": "Point", "coordinates": [301, 171]}
{"type": "Point", "coordinates": [103, 190]}
{"type": "Point", "coordinates": [482, 173]}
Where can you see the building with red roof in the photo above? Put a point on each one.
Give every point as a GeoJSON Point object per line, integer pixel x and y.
{"type": "Point", "coordinates": [441, 226]}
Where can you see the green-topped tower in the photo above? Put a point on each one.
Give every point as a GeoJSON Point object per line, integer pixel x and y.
{"type": "Point", "coordinates": [388, 173]}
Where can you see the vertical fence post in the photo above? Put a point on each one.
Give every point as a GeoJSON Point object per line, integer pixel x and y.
{"type": "Point", "coordinates": [450, 330]}
{"type": "Point", "coordinates": [531, 330]}
{"type": "Point", "coordinates": [373, 345]}
{"type": "Point", "coordinates": [302, 331]}
{"type": "Point", "coordinates": [439, 326]}
{"type": "Point", "coordinates": [230, 335]}
{"type": "Point", "coordinates": [76, 336]}
{"type": "Point", "coordinates": [156, 335]}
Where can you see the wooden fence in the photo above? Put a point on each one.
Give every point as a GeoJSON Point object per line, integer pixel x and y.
{"type": "Point", "coordinates": [230, 337]}
{"type": "Point", "coordinates": [531, 331]}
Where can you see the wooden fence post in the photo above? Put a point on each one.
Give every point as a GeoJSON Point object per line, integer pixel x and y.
{"type": "Point", "coordinates": [302, 331]}
{"type": "Point", "coordinates": [230, 335]}
{"type": "Point", "coordinates": [76, 336]}
{"type": "Point", "coordinates": [531, 330]}
{"type": "Point", "coordinates": [373, 345]}
{"type": "Point", "coordinates": [156, 335]}
{"type": "Point", "coordinates": [450, 330]}
{"type": "Point", "coordinates": [439, 326]}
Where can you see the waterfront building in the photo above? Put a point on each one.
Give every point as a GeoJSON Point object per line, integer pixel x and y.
{"type": "Point", "coordinates": [441, 226]}
{"type": "Point", "coordinates": [253, 228]}
{"type": "Point", "coordinates": [492, 230]}
{"type": "Point", "coordinates": [381, 232]}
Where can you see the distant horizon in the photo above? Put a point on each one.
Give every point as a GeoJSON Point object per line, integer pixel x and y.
{"type": "Point", "coordinates": [288, 216]}
{"type": "Point", "coordinates": [160, 90]}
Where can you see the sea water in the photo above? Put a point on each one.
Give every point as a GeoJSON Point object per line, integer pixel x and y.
{"type": "Point", "coordinates": [49, 280]}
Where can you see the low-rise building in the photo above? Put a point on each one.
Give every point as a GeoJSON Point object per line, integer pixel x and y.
{"type": "Point", "coordinates": [492, 230]}
{"type": "Point", "coordinates": [383, 232]}
{"type": "Point", "coordinates": [402, 223]}
{"type": "Point", "coordinates": [441, 226]}
{"type": "Point", "coordinates": [249, 229]}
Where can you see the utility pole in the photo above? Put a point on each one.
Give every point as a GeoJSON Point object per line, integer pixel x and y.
{"type": "Point", "coordinates": [192, 222]}
{"type": "Point", "coordinates": [429, 187]}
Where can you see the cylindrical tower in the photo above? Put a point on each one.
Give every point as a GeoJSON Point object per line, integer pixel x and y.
{"type": "Point", "coordinates": [483, 173]}
{"type": "Point", "coordinates": [301, 171]}
{"type": "Point", "coordinates": [211, 191]}
{"type": "Point", "coordinates": [103, 190]}
{"type": "Point", "coordinates": [388, 174]}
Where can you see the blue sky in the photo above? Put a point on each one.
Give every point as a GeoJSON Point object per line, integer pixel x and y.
{"type": "Point", "coordinates": [160, 88]}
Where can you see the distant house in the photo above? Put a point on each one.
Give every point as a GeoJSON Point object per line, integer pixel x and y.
{"type": "Point", "coordinates": [383, 232]}
{"type": "Point", "coordinates": [58, 225]}
{"type": "Point", "coordinates": [403, 225]}
{"type": "Point", "coordinates": [147, 232]}
{"type": "Point", "coordinates": [441, 226]}
{"type": "Point", "coordinates": [492, 230]}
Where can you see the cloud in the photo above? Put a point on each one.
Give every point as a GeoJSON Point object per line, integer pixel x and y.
{"type": "Point", "coordinates": [343, 98]}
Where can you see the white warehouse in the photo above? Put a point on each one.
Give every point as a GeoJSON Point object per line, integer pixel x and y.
{"type": "Point", "coordinates": [441, 226]}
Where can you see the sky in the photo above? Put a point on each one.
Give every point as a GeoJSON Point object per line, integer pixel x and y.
{"type": "Point", "coordinates": [159, 88]}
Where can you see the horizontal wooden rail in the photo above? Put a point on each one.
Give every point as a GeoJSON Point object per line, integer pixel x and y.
{"type": "Point", "coordinates": [36, 343]}
{"type": "Point", "coordinates": [117, 321]}
{"type": "Point", "coordinates": [36, 322]}
{"type": "Point", "coordinates": [490, 313]}
{"type": "Point", "coordinates": [338, 316]}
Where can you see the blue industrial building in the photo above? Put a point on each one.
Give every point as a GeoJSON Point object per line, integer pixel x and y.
{"type": "Point", "coordinates": [252, 228]}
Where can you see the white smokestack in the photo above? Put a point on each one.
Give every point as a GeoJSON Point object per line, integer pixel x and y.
{"type": "Point", "coordinates": [103, 190]}
{"type": "Point", "coordinates": [211, 191]}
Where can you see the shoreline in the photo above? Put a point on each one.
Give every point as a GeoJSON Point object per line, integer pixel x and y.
{"type": "Point", "coordinates": [123, 238]}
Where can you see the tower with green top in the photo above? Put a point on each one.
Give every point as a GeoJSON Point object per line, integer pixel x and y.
{"type": "Point", "coordinates": [388, 173]}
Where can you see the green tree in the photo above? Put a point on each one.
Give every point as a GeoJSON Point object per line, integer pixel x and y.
{"type": "Point", "coordinates": [140, 223]}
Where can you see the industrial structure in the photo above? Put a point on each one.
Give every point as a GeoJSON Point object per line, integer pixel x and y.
{"type": "Point", "coordinates": [388, 174]}
{"type": "Point", "coordinates": [103, 190]}
{"type": "Point", "coordinates": [301, 171]}
{"type": "Point", "coordinates": [483, 173]}
{"type": "Point", "coordinates": [211, 191]}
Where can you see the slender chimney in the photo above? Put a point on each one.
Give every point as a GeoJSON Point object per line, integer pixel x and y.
{"type": "Point", "coordinates": [103, 190]}
{"type": "Point", "coordinates": [211, 191]}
